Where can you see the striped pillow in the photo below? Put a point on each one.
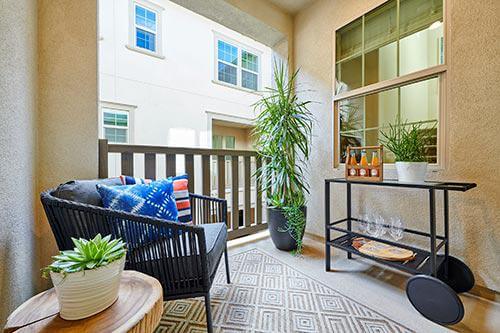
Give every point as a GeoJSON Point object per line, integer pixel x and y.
{"type": "Point", "coordinates": [181, 192]}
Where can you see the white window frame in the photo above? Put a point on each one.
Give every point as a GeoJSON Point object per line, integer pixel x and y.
{"type": "Point", "coordinates": [239, 67]}
{"type": "Point", "coordinates": [159, 28]}
{"type": "Point", "coordinates": [117, 108]}
{"type": "Point", "coordinates": [438, 71]}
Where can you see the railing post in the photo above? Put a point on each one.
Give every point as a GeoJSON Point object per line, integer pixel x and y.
{"type": "Point", "coordinates": [150, 166]}
{"type": "Point", "coordinates": [221, 177]}
{"type": "Point", "coordinates": [103, 158]}
{"type": "Point", "coordinates": [128, 164]}
{"type": "Point", "coordinates": [170, 161]}
{"type": "Point", "coordinates": [235, 192]}
{"type": "Point", "coordinates": [247, 191]}
{"type": "Point", "coordinates": [189, 166]}
{"type": "Point", "coordinates": [258, 194]}
{"type": "Point", "coordinates": [205, 166]}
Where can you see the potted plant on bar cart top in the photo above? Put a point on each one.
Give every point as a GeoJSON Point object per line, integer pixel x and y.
{"type": "Point", "coordinates": [282, 138]}
{"type": "Point", "coordinates": [407, 141]}
{"type": "Point", "coordinates": [87, 278]}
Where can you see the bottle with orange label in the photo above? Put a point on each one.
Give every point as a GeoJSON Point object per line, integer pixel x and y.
{"type": "Point", "coordinates": [363, 171]}
{"type": "Point", "coordinates": [353, 163]}
{"type": "Point", "coordinates": [375, 171]}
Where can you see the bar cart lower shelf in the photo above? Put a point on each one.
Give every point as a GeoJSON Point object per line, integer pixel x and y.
{"type": "Point", "coordinates": [438, 277]}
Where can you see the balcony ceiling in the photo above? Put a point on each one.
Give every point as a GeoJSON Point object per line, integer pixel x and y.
{"type": "Point", "coordinates": [292, 6]}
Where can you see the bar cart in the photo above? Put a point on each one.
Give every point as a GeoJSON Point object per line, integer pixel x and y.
{"type": "Point", "coordinates": [438, 276]}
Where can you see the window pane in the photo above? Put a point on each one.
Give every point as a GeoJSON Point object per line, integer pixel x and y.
{"type": "Point", "coordinates": [217, 141]}
{"type": "Point", "coordinates": [227, 52]}
{"type": "Point", "coordinates": [381, 26]}
{"type": "Point", "coordinates": [121, 120]}
{"type": "Point", "coordinates": [362, 118]}
{"type": "Point", "coordinates": [380, 44]}
{"type": "Point", "coordinates": [249, 80]}
{"type": "Point", "coordinates": [145, 18]}
{"type": "Point", "coordinates": [350, 73]}
{"type": "Point", "coordinates": [109, 118]}
{"type": "Point", "coordinates": [249, 61]}
{"type": "Point", "coordinates": [421, 29]}
{"type": "Point", "coordinates": [145, 40]}
{"type": "Point", "coordinates": [227, 73]}
{"type": "Point", "coordinates": [420, 101]}
{"type": "Point", "coordinates": [115, 135]}
{"type": "Point", "coordinates": [348, 40]}
{"type": "Point", "coordinates": [416, 15]}
{"type": "Point", "coordinates": [230, 142]}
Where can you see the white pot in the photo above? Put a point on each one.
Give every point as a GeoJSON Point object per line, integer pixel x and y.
{"type": "Point", "coordinates": [411, 172]}
{"type": "Point", "coordinates": [83, 294]}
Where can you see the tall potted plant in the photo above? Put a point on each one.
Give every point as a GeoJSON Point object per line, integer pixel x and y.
{"type": "Point", "coordinates": [407, 142]}
{"type": "Point", "coordinates": [282, 138]}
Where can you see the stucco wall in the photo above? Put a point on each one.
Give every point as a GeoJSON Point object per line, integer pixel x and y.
{"type": "Point", "coordinates": [67, 122]}
{"type": "Point", "coordinates": [17, 152]}
{"type": "Point", "coordinates": [472, 129]}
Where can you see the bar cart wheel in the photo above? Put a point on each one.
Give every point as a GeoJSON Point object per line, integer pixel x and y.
{"type": "Point", "coordinates": [434, 299]}
{"type": "Point", "coordinates": [460, 278]}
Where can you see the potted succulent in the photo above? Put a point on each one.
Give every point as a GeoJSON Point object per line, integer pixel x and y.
{"type": "Point", "coordinates": [87, 278]}
{"type": "Point", "coordinates": [407, 142]}
{"type": "Point", "coordinates": [282, 139]}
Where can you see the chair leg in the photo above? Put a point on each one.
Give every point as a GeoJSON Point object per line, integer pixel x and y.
{"type": "Point", "coordinates": [228, 276]}
{"type": "Point", "coordinates": [208, 312]}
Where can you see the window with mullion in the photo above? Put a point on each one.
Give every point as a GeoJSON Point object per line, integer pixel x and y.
{"type": "Point", "coordinates": [115, 125]}
{"type": "Point", "coordinates": [145, 28]}
{"type": "Point", "coordinates": [237, 66]}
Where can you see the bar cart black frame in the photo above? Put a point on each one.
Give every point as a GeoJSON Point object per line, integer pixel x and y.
{"type": "Point", "coordinates": [437, 277]}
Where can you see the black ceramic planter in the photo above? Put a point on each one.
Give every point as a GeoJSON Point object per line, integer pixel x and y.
{"type": "Point", "coordinates": [276, 223]}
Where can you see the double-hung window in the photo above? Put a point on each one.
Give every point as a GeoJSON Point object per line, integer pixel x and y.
{"type": "Point", "coordinates": [236, 65]}
{"type": "Point", "coordinates": [115, 125]}
{"type": "Point", "coordinates": [389, 69]}
{"type": "Point", "coordinates": [145, 27]}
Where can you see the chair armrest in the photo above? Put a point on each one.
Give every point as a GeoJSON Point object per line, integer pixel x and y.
{"type": "Point", "coordinates": [205, 209]}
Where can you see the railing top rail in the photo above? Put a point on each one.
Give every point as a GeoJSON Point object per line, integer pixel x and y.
{"type": "Point", "coordinates": [142, 149]}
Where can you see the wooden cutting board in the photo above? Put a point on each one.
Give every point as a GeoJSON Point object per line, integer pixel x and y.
{"type": "Point", "coordinates": [381, 250]}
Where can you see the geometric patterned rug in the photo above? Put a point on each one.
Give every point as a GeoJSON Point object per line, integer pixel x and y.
{"type": "Point", "coordinates": [267, 295]}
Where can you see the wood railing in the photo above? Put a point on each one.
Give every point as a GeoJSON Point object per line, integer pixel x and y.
{"type": "Point", "coordinates": [245, 202]}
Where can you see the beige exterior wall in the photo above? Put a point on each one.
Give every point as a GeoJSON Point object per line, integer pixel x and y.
{"type": "Point", "coordinates": [472, 124]}
{"type": "Point", "coordinates": [18, 90]}
{"type": "Point", "coordinates": [67, 123]}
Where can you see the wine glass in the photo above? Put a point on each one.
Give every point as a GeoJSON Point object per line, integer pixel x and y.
{"type": "Point", "coordinates": [363, 223]}
{"type": "Point", "coordinates": [396, 229]}
{"type": "Point", "coordinates": [373, 227]}
{"type": "Point", "coordinates": [381, 223]}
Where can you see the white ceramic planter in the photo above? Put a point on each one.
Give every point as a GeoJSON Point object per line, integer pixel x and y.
{"type": "Point", "coordinates": [411, 172]}
{"type": "Point", "coordinates": [86, 293]}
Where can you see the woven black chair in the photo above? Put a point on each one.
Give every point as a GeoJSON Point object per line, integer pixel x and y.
{"type": "Point", "coordinates": [183, 257]}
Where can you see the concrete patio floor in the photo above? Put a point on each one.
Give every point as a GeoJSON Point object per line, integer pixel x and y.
{"type": "Point", "coordinates": [378, 287]}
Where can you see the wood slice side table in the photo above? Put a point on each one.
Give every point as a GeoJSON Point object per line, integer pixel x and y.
{"type": "Point", "coordinates": [139, 308]}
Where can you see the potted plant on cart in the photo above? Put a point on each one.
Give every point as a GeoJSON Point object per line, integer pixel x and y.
{"type": "Point", "coordinates": [408, 141]}
{"type": "Point", "coordinates": [87, 278]}
{"type": "Point", "coordinates": [282, 138]}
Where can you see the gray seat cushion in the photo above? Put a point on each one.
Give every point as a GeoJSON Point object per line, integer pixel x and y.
{"type": "Point", "coordinates": [215, 241]}
{"type": "Point", "coordinates": [215, 238]}
{"type": "Point", "coordinates": [84, 191]}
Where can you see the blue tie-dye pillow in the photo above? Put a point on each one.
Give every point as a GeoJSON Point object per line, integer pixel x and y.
{"type": "Point", "coordinates": [156, 199]}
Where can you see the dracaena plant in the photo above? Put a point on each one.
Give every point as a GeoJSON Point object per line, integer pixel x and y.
{"type": "Point", "coordinates": [87, 255]}
{"type": "Point", "coordinates": [282, 135]}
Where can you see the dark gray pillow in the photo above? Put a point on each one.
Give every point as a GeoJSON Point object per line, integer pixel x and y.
{"type": "Point", "coordinates": [84, 191]}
